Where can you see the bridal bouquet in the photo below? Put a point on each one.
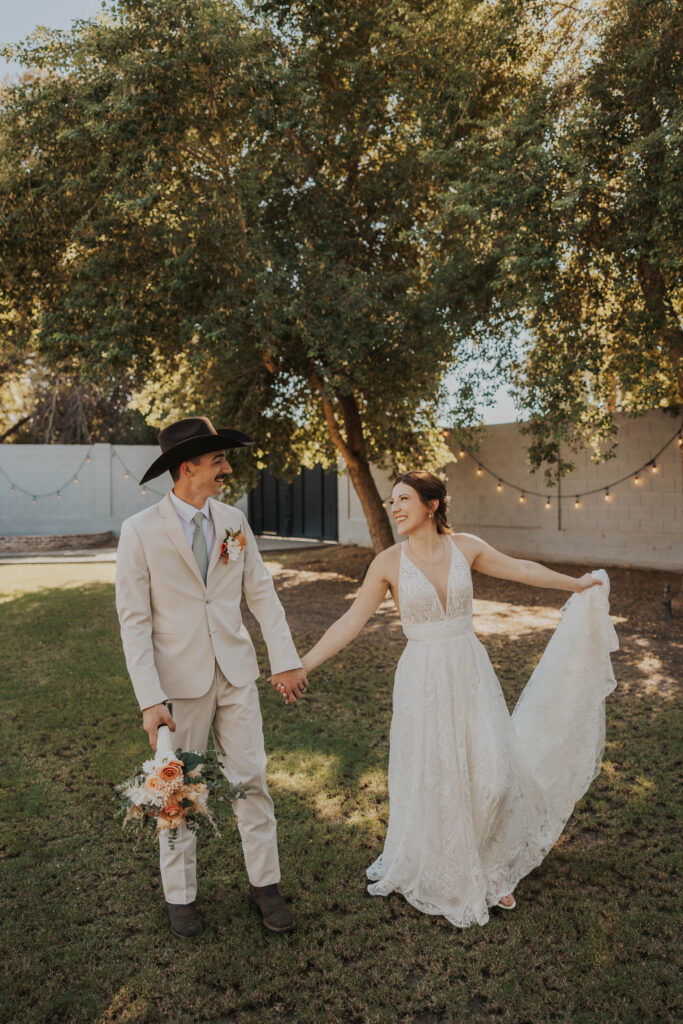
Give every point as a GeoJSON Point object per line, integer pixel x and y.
{"type": "Point", "coordinates": [176, 787]}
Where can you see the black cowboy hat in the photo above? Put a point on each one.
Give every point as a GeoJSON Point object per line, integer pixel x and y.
{"type": "Point", "coordinates": [191, 437]}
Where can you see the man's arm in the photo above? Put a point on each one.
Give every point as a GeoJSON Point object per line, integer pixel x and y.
{"type": "Point", "coordinates": [135, 617]}
{"type": "Point", "coordinates": [288, 676]}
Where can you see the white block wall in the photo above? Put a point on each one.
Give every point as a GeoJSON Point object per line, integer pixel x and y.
{"type": "Point", "coordinates": [103, 497]}
{"type": "Point", "coordinates": [641, 526]}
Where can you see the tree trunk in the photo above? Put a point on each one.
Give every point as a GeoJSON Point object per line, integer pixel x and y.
{"type": "Point", "coordinates": [350, 445]}
{"type": "Point", "coordinates": [376, 517]}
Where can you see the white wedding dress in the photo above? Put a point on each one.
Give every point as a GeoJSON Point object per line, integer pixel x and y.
{"type": "Point", "coordinates": [479, 797]}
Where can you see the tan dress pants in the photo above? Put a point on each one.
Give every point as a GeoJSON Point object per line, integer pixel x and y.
{"type": "Point", "coordinates": [234, 715]}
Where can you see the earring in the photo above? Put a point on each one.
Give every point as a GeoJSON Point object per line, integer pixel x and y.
{"type": "Point", "coordinates": [430, 516]}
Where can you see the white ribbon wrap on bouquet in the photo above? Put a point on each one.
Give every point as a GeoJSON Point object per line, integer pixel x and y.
{"type": "Point", "coordinates": [165, 741]}
{"type": "Point", "coordinates": [560, 716]}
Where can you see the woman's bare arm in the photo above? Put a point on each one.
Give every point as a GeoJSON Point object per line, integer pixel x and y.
{"type": "Point", "coordinates": [369, 598]}
{"type": "Point", "coordinates": [495, 563]}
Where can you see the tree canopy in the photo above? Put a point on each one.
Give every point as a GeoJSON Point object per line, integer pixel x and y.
{"type": "Point", "coordinates": [299, 217]}
{"type": "Point", "coordinates": [593, 197]}
{"type": "Point", "coordinates": [243, 214]}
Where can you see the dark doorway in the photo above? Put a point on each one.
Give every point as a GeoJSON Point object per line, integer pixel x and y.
{"type": "Point", "coordinates": [306, 507]}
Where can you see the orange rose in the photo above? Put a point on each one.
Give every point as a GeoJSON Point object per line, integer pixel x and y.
{"type": "Point", "coordinates": [241, 540]}
{"type": "Point", "coordinates": [172, 813]}
{"type": "Point", "coordinates": [171, 771]}
{"type": "Point", "coordinates": [153, 784]}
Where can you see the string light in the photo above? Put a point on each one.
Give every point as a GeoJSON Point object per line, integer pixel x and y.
{"type": "Point", "coordinates": [75, 479]}
{"type": "Point", "coordinates": [635, 476]}
{"type": "Point", "coordinates": [462, 453]}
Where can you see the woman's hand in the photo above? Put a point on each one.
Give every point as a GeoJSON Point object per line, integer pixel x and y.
{"type": "Point", "coordinates": [585, 582]}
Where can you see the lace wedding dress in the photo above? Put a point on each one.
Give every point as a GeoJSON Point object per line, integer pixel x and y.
{"type": "Point", "coordinates": [479, 797]}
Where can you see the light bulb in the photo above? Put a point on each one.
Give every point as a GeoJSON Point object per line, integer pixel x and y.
{"type": "Point", "coordinates": [654, 468]}
{"type": "Point", "coordinates": [499, 488]}
{"type": "Point", "coordinates": [608, 496]}
{"type": "Point", "coordinates": [548, 503]}
{"type": "Point", "coordinates": [88, 459]}
{"type": "Point", "coordinates": [636, 479]}
{"type": "Point", "coordinates": [144, 491]}
{"type": "Point", "coordinates": [462, 453]}
{"type": "Point", "coordinates": [577, 502]}
{"type": "Point", "coordinates": [522, 498]}
{"type": "Point", "coordinates": [12, 489]}
{"type": "Point", "coordinates": [480, 471]}
{"type": "Point", "coordinates": [75, 479]}
{"type": "Point", "coordinates": [59, 497]}
{"type": "Point", "coordinates": [126, 475]}
{"type": "Point", "coordinates": [35, 500]}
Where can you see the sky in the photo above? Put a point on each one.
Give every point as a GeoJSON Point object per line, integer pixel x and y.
{"type": "Point", "coordinates": [19, 20]}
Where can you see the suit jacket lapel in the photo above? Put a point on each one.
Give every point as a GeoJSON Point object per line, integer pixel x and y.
{"type": "Point", "coordinates": [175, 533]}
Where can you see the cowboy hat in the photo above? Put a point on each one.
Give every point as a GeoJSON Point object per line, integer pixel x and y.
{"type": "Point", "coordinates": [189, 438]}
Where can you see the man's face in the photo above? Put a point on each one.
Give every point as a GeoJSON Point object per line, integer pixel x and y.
{"type": "Point", "coordinates": [208, 473]}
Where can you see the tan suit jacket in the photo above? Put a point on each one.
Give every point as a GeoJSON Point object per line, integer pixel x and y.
{"type": "Point", "coordinates": [173, 627]}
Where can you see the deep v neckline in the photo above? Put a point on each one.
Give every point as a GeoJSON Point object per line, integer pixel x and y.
{"type": "Point", "coordinates": [426, 577]}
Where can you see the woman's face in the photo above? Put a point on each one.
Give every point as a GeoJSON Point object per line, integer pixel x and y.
{"type": "Point", "coordinates": [407, 509]}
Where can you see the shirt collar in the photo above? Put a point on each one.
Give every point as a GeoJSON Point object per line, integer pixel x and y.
{"type": "Point", "coordinates": [188, 512]}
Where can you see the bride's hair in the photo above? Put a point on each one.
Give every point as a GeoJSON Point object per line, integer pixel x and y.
{"type": "Point", "coordinates": [429, 488]}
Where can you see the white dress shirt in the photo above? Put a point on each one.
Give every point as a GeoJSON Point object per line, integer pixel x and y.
{"type": "Point", "coordinates": [186, 514]}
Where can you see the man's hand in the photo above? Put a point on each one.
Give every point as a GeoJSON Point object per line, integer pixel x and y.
{"type": "Point", "coordinates": [292, 684]}
{"type": "Point", "coordinates": [152, 718]}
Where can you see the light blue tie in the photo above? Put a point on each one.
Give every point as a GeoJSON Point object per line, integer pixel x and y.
{"type": "Point", "coordinates": [199, 545]}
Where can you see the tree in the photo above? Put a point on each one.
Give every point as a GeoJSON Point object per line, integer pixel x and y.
{"type": "Point", "coordinates": [254, 213]}
{"type": "Point", "coordinates": [593, 200]}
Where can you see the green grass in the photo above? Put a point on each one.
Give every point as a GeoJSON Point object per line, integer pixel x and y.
{"type": "Point", "coordinates": [84, 936]}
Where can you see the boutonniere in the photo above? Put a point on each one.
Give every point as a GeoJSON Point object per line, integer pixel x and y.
{"type": "Point", "coordinates": [233, 545]}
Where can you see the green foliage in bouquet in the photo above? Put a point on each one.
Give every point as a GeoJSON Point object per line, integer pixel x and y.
{"type": "Point", "coordinates": [175, 788]}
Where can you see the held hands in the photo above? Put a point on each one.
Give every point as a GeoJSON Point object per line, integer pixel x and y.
{"type": "Point", "coordinates": [585, 582]}
{"type": "Point", "coordinates": [292, 685]}
{"type": "Point", "coordinates": [152, 718]}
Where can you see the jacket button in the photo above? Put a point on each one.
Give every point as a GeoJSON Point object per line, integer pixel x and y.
{"type": "Point", "coordinates": [208, 601]}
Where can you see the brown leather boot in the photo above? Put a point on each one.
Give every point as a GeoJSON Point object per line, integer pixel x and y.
{"type": "Point", "coordinates": [275, 914]}
{"type": "Point", "coordinates": [184, 919]}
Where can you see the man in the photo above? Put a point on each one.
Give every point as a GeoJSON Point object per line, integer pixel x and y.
{"type": "Point", "coordinates": [178, 601]}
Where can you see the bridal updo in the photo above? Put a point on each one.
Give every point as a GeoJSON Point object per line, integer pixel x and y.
{"type": "Point", "coordinates": [429, 488]}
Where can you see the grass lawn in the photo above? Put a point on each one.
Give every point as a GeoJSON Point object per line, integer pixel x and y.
{"type": "Point", "coordinates": [84, 935]}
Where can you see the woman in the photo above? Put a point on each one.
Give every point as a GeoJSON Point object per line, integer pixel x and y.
{"type": "Point", "coordinates": [477, 798]}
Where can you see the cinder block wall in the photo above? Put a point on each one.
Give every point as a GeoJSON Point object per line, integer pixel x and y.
{"type": "Point", "coordinates": [642, 525]}
{"type": "Point", "coordinates": [107, 491]}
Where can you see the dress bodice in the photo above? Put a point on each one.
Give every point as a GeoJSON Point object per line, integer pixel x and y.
{"type": "Point", "coordinates": [422, 614]}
